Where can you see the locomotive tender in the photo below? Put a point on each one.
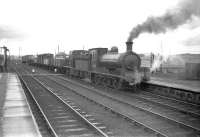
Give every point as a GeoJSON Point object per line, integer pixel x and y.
{"type": "Point", "coordinates": [101, 67]}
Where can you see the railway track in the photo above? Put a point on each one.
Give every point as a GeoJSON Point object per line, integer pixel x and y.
{"type": "Point", "coordinates": [184, 113]}
{"type": "Point", "coordinates": [181, 106]}
{"type": "Point", "coordinates": [35, 109]}
{"type": "Point", "coordinates": [182, 128]}
{"type": "Point", "coordinates": [168, 107]}
{"type": "Point", "coordinates": [155, 111]}
{"type": "Point", "coordinates": [63, 118]}
{"type": "Point", "coordinates": [190, 109]}
{"type": "Point", "coordinates": [37, 113]}
{"type": "Point", "coordinates": [135, 128]}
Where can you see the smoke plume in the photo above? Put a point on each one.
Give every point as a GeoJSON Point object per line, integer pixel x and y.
{"type": "Point", "coordinates": [172, 19]}
{"type": "Point", "coordinates": [8, 33]}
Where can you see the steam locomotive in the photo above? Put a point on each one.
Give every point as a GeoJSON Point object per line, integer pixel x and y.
{"type": "Point", "coordinates": [99, 66]}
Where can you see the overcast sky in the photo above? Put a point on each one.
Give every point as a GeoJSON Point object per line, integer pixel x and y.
{"type": "Point", "coordinates": [39, 26]}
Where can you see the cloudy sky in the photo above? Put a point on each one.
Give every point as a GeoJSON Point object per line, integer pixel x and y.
{"type": "Point", "coordinates": [39, 26]}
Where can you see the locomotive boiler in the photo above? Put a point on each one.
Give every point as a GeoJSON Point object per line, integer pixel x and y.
{"type": "Point", "coordinates": [124, 64]}
{"type": "Point", "coordinates": [128, 61]}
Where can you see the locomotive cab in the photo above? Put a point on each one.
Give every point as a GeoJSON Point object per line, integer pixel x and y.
{"type": "Point", "coordinates": [96, 54]}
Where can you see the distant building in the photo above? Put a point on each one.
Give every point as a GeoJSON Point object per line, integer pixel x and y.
{"type": "Point", "coordinates": [184, 65]}
{"type": "Point", "coordinates": [173, 64]}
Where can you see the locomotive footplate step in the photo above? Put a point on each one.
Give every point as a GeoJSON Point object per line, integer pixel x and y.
{"type": "Point", "coordinates": [16, 117]}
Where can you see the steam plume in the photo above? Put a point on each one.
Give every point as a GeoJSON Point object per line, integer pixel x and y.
{"type": "Point", "coordinates": [170, 20]}
{"type": "Point", "coordinates": [7, 33]}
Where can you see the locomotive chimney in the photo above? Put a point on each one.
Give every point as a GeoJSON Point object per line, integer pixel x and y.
{"type": "Point", "coordinates": [129, 45]}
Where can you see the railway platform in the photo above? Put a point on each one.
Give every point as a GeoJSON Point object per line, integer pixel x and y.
{"type": "Point", "coordinates": [190, 85]}
{"type": "Point", "coordinates": [16, 118]}
{"type": "Point", "coordinates": [182, 89]}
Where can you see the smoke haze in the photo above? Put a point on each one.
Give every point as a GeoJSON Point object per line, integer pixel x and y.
{"type": "Point", "coordinates": [172, 19]}
{"type": "Point", "coordinates": [8, 33]}
{"type": "Point", "coordinates": [193, 41]}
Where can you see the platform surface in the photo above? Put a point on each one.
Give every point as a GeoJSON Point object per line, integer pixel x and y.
{"type": "Point", "coordinates": [191, 85]}
{"type": "Point", "coordinates": [16, 117]}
